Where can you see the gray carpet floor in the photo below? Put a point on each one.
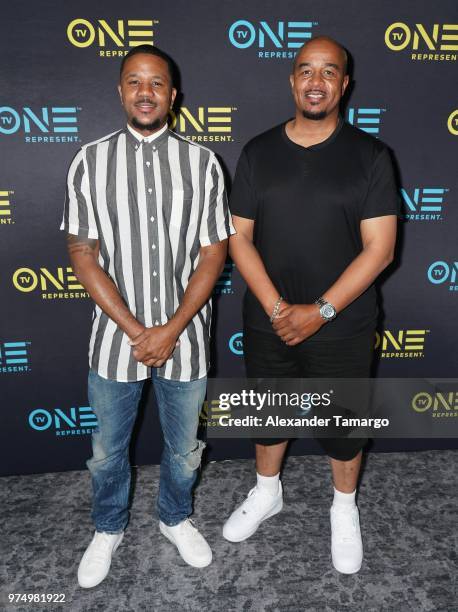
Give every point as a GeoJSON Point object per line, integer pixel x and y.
{"type": "Point", "coordinates": [408, 509]}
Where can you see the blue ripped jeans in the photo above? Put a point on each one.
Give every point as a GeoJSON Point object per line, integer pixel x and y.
{"type": "Point", "coordinates": [115, 404]}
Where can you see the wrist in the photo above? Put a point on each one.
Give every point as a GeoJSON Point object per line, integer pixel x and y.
{"type": "Point", "coordinates": [318, 318]}
{"type": "Point", "coordinates": [174, 326]}
{"type": "Point", "coordinates": [276, 309]}
{"type": "Point", "coordinates": [326, 310]}
{"type": "Point", "coordinates": [135, 330]}
{"type": "Point", "coordinates": [269, 303]}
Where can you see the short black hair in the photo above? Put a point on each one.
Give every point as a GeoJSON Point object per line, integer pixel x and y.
{"type": "Point", "coordinates": [150, 50]}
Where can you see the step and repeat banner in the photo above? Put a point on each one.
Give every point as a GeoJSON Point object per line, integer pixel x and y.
{"type": "Point", "coordinates": [60, 69]}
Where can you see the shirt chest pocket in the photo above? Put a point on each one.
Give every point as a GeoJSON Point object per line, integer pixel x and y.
{"type": "Point", "coordinates": [183, 211]}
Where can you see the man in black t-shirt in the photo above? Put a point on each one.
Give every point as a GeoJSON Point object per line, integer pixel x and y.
{"type": "Point", "coordinates": [314, 203]}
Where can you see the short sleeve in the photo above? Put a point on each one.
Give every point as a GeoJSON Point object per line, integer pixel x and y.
{"type": "Point", "coordinates": [216, 222]}
{"type": "Point", "coordinates": [242, 201]}
{"type": "Point", "coordinates": [79, 218]}
{"type": "Point", "coordinates": [382, 196]}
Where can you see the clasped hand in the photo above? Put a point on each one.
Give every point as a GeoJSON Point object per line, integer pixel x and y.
{"type": "Point", "coordinates": [154, 345]}
{"type": "Point", "coordinates": [295, 323]}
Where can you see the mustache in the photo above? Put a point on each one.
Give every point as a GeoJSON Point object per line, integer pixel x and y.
{"type": "Point", "coordinates": [145, 101]}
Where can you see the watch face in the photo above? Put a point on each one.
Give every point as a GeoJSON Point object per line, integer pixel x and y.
{"type": "Point", "coordinates": [328, 311]}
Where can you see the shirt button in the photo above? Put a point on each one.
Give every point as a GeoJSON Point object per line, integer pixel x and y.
{"type": "Point", "coordinates": [153, 246]}
{"type": "Point", "coordinates": [154, 148]}
{"type": "Point", "coordinates": [155, 299]}
{"type": "Point", "coordinates": [150, 190]}
{"type": "Point", "coordinates": [154, 273]}
{"type": "Point", "coordinates": [156, 323]}
{"type": "Point", "coordinates": [152, 219]}
{"type": "Point", "coordinates": [148, 163]}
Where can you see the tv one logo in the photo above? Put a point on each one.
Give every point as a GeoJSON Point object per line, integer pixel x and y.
{"type": "Point", "coordinates": [14, 357]}
{"type": "Point", "coordinates": [403, 343]}
{"type": "Point", "coordinates": [366, 119]}
{"type": "Point", "coordinates": [204, 123]}
{"type": "Point", "coordinates": [122, 34]}
{"type": "Point", "coordinates": [60, 283]}
{"type": "Point", "coordinates": [236, 344]}
{"type": "Point", "coordinates": [224, 283]}
{"type": "Point", "coordinates": [442, 404]}
{"type": "Point", "coordinates": [282, 38]}
{"type": "Point", "coordinates": [58, 123]}
{"type": "Point", "coordinates": [211, 414]}
{"type": "Point", "coordinates": [75, 421]}
{"type": "Point", "coordinates": [436, 42]}
{"type": "Point", "coordinates": [423, 203]}
{"type": "Point", "coordinates": [5, 207]}
{"type": "Point", "coordinates": [442, 272]}
{"type": "Point", "coordinates": [452, 123]}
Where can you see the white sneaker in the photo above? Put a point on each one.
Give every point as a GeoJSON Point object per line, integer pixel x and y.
{"type": "Point", "coordinates": [95, 563]}
{"type": "Point", "coordinates": [191, 544]}
{"type": "Point", "coordinates": [258, 506]}
{"type": "Point", "coordinates": [346, 543]}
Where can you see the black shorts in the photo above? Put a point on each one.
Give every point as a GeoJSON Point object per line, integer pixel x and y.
{"type": "Point", "coordinates": [267, 356]}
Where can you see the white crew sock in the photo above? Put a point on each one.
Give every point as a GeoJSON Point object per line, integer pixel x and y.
{"type": "Point", "coordinates": [268, 483]}
{"type": "Point", "coordinates": [344, 499]}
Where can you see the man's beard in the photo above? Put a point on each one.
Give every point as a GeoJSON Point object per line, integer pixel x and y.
{"type": "Point", "coordinates": [314, 116]}
{"type": "Point", "coordinates": [154, 125]}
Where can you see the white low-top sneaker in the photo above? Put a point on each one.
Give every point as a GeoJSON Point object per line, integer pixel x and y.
{"type": "Point", "coordinates": [191, 544]}
{"type": "Point", "coordinates": [346, 543]}
{"type": "Point", "coordinates": [95, 563]}
{"type": "Point", "coordinates": [258, 506]}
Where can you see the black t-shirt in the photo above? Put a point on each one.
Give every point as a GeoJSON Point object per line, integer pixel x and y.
{"type": "Point", "coordinates": [307, 204]}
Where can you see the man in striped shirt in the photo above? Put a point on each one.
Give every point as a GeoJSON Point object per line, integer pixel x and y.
{"type": "Point", "coordinates": [147, 223]}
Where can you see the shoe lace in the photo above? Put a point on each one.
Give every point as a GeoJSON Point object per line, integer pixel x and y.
{"type": "Point", "coordinates": [102, 549]}
{"type": "Point", "coordinates": [189, 528]}
{"type": "Point", "coordinates": [346, 525]}
{"type": "Point", "coordinates": [252, 501]}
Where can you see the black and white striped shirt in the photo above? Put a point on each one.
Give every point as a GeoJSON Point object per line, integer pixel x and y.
{"type": "Point", "coordinates": [151, 203]}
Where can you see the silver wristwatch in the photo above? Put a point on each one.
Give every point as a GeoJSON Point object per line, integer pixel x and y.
{"type": "Point", "coordinates": [327, 310]}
